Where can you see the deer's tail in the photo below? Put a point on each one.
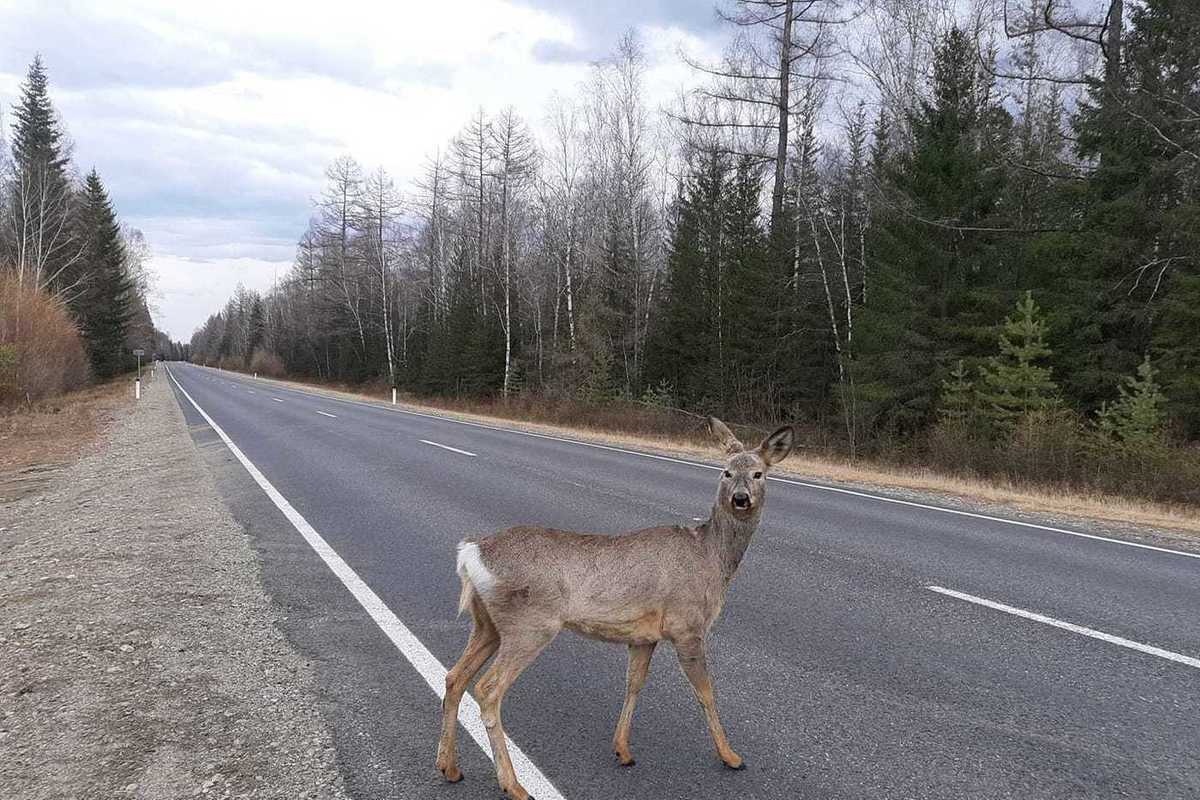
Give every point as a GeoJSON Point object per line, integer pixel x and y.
{"type": "Point", "coordinates": [475, 576]}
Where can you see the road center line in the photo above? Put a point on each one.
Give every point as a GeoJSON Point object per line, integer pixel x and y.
{"type": "Point", "coordinates": [448, 447]}
{"type": "Point", "coordinates": [778, 479]}
{"type": "Point", "coordinates": [327, 414]}
{"type": "Point", "coordinates": [276, 399]}
{"type": "Point", "coordinates": [1070, 626]}
{"type": "Point", "coordinates": [425, 662]}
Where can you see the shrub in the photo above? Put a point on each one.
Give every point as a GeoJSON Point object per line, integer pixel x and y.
{"type": "Point", "coordinates": [41, 352]}
{"type": "Point", "coordinates": [265, 362]}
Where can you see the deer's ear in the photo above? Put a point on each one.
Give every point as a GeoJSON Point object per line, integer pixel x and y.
{"type": "Point", "coordinates": [778, 445]}
{"type": "Point", "coordinates": [720, 431]}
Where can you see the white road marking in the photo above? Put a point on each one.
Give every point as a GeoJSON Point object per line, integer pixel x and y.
{"type": "Point", "coordinates": [805, 484]}
{"type": "Point", "coordinates": [251, 391]}
{"type": "Point", "coordinates": [327, 414]}
{"type": "Point", "coordinates": [448, 447]}
{"type": "Point", "coordinates": [276, 399]}
{"type": "Point", "coordinates": [1070, 626]}
{"type": "Point", "coordinates": [406, 642]}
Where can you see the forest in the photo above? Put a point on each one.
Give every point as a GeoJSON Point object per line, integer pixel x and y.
{"type": "Point", "coordinates": [74, 283]}
{"type": "Point", "coordinates": [965, 239]}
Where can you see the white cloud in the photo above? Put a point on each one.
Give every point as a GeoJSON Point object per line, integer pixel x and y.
{"type": "Point", "coordinates": [212, 123]}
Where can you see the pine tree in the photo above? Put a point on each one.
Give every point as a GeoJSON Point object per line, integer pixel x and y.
{"type": "Point", "coordinates": [958, 402]}
{"type": "Point", "coordinates": [1136, 418]}
{"type": "Point", "coordinates": [1015, 385]}
{"type": "Point", "coordinates": [107, 308]}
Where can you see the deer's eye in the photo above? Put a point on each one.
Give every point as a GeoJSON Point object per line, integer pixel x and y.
{"type": "Point", "coordinates": [728, 474]}
{"type": "Point", "coordinates": [758, 476]}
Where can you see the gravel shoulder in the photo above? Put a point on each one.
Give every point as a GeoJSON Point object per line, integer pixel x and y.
{"type": "Point", "coordinates": [139, 654]}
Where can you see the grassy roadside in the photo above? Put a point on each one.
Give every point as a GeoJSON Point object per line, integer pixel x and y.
{"type": "Point", "coordinates": [38, 441]}
{"type": "Point", "coordinates": [909, 483]}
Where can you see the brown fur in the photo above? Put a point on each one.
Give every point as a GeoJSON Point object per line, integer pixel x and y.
{"type": "Point", "coordinates": [638, 588]}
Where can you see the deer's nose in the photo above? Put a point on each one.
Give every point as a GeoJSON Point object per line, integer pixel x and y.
{"type": "Point", "coordinates": [741, 500]}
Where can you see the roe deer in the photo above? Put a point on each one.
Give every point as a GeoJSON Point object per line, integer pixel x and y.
{"type": "Point", "coordinates": [523, 585]}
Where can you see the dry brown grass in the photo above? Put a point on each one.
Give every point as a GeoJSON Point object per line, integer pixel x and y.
{"type": "Point", "coordinates": [688, 437]}
{"type": "Point", "coordinates": [37, 441]}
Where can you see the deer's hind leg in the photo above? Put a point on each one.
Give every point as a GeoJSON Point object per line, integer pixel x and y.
{"type": "Point", "coordinates": [518, 649]}
{"type": "Point", "coordinates": [483, 643]}
{"type": "Point", "coordinates": [635, 679]}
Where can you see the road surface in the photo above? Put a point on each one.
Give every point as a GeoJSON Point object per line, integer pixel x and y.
{"type": "Point", "coordinates": [868, 648]}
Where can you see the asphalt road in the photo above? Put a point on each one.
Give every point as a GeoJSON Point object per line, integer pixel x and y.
{"type": "Point", "coordinates": [840, 673]}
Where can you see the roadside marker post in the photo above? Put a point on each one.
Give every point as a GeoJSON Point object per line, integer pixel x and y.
{"type": "Point", "coordinates": [137, 384]}
{"type": "Point", "coordinates": [393, 395]}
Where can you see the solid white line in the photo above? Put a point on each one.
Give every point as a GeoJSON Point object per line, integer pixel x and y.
{"type": "Point", "coordinates": [805, 484]}
{"type": "Point", "coordinates": [1069, 626]}
{"type": "Point", "coordinates": [448, 447]}
{"type": "Point", "coordinates": [276, 399]}
{"type": "Point", "coordinates": [326, 413]}
{"type": "Point", "coordinates": [406, 642]}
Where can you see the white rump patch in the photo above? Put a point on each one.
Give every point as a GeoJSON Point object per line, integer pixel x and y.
{"type": "Point", "coordinates": [471, 567]}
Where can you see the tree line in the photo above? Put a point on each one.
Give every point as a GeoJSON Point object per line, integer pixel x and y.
{"type": "Point", "coordinates": [986, 247]}
{"type": "Point", "coordinates": [74, 280]}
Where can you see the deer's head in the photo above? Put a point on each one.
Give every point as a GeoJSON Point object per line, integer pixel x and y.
{"type": "Point", "coordinates": [743, 484]}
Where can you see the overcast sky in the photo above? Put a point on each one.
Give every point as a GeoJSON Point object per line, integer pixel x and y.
{"type": "Point", "coordinates": [212, 123]}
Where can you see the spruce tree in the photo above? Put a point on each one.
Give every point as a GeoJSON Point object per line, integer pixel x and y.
{"type": "Point", "coordinates": [1141, 213]}
{"type": "Point", "coordinates": [1014, 383]}
{"type": "Point", "coordinates": [752, 299]}
{"type": "Point", "coordinates": [43, 247]}
{"type": "Point", "coordinates": [256, 328]}
{"type": "Point", "coordinates": [685, 344]}
{"type": "Point", "coordinates": [937, 280]}
{"type": "Point", "coordinates": [107, 308]}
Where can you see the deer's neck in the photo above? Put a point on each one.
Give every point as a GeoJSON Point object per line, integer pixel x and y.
{"type": "Point", "coordinates": [730, 536]}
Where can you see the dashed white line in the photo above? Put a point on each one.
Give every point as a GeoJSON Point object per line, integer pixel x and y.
{"type": "Point", "coordinates": [327, 414]}
{"type": "Point", "coordinates": [1070, 626]}
{"type": "Point", "coordinates": [251, 391]}
{"type": "Point", "coordinates": [425, 662]}
{"type": "Point", "coordinates": [448, 447]}
{"type": "Point", "coordinates": [276, 399]}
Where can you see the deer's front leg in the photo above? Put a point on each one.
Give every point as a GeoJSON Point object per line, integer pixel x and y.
{"type": "Point", "coordinates": [691, 659]}
{"type": "Point", "coordinates": [635, 679]}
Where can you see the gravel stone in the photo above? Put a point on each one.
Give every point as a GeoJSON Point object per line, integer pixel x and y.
{"type": "Point", "coordinates": [140, 656]}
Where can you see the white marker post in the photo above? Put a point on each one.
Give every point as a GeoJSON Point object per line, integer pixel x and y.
{"type": "Point", "coordinates": [137, 384]}
{"type": "Point", "coordinates": [393, 395]}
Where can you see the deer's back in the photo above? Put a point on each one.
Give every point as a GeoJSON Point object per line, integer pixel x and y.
{"type": "Point", "coordinates": [638, 586]}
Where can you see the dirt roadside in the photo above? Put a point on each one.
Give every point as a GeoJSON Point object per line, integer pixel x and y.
{"type": "Point", "coordinates": [139, 656]}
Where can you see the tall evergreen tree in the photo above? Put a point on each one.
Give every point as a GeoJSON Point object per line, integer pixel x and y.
{"type": "Point", "coordinates": [685, 347]}
{"type": "Point", "coordinates": [40, 236]}
{"type": "Point", "coordinates": [1142, 211]}
{"type": "Point", "coordinates": [107, 307]}
{"type": "Point", "coordinates": [256, 328]}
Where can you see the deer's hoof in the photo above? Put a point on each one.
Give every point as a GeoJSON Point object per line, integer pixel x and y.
{"type": "Point", "coordinates": [625, 763]}
{"type": "Point", "coordinates": [452, 774]}
{"type": "Point", "coordinates": [738, 765]}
